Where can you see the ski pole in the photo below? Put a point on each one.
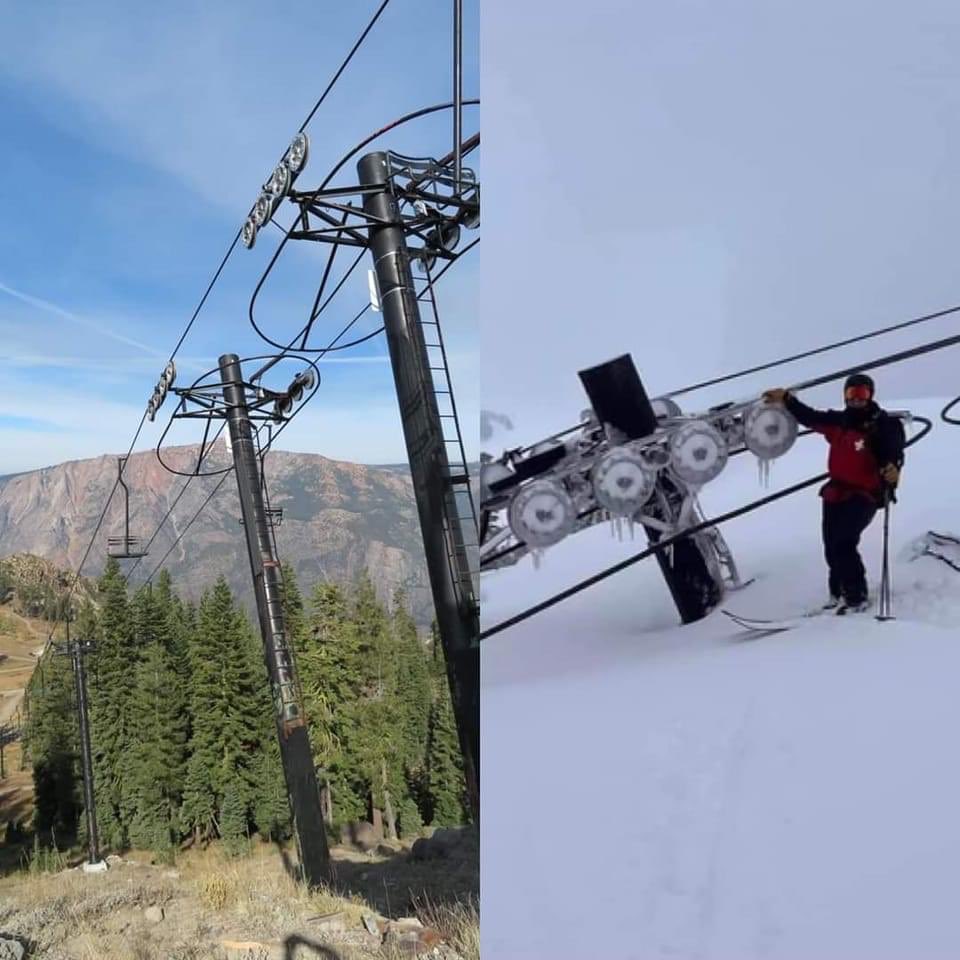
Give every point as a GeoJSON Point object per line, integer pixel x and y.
{"type": "Point", "coordinates": [884, 604]}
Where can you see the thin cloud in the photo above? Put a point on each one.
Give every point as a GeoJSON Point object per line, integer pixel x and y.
{"type": "Point", "coordinates": [49, 307]}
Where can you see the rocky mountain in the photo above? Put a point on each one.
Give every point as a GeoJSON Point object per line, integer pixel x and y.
{"type": "Point", "coordinates": [38, 588]}
{"type": "Point", "coordinates": [338, 519]}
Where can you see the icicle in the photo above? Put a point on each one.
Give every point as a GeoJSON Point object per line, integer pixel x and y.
{"type": "Point", "coordinates": [631, 526]}
{"type": "Point", "coordinates": [764, 472]}
{"type": "Point", "coordinates": [536, 555]}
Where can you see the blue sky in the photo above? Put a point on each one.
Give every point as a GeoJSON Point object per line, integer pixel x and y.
{"type": "Point", "coordinates": [135, 140]}
{"type": "Point", "coordinates": [713, 185]}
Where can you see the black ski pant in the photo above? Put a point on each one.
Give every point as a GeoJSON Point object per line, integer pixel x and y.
{"type": "Point", "coordinates": [843, 523]}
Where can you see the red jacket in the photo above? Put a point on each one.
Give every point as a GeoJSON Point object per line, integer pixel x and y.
{"type": "Point", "coordinates": [861, 443]}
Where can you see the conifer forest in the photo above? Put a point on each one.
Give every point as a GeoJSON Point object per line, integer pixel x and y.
{"type": "Point", "coordinates": [183, 736]}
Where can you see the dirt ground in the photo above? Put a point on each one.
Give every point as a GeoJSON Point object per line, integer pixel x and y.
{"type": "Point", "coordinates": [217, 907]}
{"type": "Point", "coordinates": [20, 641]}
{"type": "Point", "coordinates": [213, 906]}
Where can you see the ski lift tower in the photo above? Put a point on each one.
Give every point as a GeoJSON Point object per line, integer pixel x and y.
{"type": "Point", "coordinates": [426, 201]}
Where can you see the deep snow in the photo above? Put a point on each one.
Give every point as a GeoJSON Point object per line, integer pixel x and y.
{"type": "Point", "coordinates": [654, 791]}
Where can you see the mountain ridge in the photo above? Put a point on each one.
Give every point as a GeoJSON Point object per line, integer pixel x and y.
{"type": "Point", "coordinates": [339, 519]}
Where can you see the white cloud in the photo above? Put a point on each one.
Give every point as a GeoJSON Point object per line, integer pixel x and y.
{"type": "Point", "coordinates": [72, 317]}
{"type": "Point", "coordinates": [209, 94]}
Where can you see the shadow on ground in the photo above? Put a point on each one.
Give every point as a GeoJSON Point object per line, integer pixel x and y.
{"type": "Point", "coordinates": [296, 947]}
{"type": "Point", "coordinates": [395, 883]}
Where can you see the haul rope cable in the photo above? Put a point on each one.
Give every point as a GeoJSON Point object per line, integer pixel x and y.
{"type": "Point", "coordinates": [203, 300]}
{"type": "Point", "coordinates": [190, 522]}
{"type": "Point", "coordinates": [813, 382]}
{"type": "Point", "coordinates": [210, 497]}
{"type": "Point", "coordinates": [226, 472]}
{"type": "Point", "coordinates": [784, 360]}
{"type": "Point", "coordinates": [811, 353]}
{"type": "Point", "coordinates": [817, 381]}
{"type": "Point", "coordinates": [167, 515]}
{"type": "Point", "coordinates": [304, 331]}
{"type": "Point", "coordinates": [670, 541]}
{"type": "Point", "coordinates": [222, 404]}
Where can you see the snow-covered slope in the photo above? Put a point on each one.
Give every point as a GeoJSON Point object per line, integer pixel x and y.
{"type": "Point", "coordinates": [656, 791]}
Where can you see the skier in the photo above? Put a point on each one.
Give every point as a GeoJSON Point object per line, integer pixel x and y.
{"type": "Point", "coordinates": [864, 463]}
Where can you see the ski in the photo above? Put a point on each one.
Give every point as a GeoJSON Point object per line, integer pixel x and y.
{"type": "Point", "coordinates": [762, 626]}
{"type": "Point", "coordinates": [943, 537]}
{"type": "Point", "coordinates": [769, 626]}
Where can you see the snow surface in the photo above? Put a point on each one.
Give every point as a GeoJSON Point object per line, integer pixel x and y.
{"type": "Point", "coordinates": [656, 791]}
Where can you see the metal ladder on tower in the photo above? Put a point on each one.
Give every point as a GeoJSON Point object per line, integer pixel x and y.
{"type": "Point", "coordinates": [462, 532]}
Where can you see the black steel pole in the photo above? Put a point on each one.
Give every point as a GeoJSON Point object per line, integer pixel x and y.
{"type": "Point", "coordinates": [295, 752]}
{"type": "Point", "coordinates": [451, 582]}
{"type": "Point", "coordinates": [457, 87]}
{"type": "Point", "coordinates": [86, 754]}
{"type": "Point", "coordinates": [619, 399]}
{"type": "Point", "coordinates": [126, 508]}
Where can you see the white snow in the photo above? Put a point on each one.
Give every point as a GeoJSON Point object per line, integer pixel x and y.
{"type": "Point", "coordinates": [656, 791]}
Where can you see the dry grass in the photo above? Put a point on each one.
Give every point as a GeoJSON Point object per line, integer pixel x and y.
{"type": "Point", "coordinates": [457, 922]}
{"type": "Point", "coordinates": [208, 898]}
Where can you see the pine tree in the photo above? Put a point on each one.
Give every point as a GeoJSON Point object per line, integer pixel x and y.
{"type": "Point", "coordinates": [198, 813]}
{"type": "Point", "coordinates": [111, 722]}
{"type": "Point", "coordinates": [154, 762]}
{"type": "Point", "coordinates": [149, 618]}
{"type": "Point", "coordinates": [389, 741]}
{"type": "Point", "coordinates": [446, 786]}
{"type": "Point", "coordinates": [233, 818]}
{"type": "Point", "coordinates": [414, 693]}
{"type": "Point", "coordinates": [293, 610]}
{"type": "Point", "coordinates": [270, 805]}
{"type": "Point", "coordinates": [230, 700]}
{"type": "Point", "coordinates": [330, 674]}
{"type": "Point", "coordinates": [52, 740]}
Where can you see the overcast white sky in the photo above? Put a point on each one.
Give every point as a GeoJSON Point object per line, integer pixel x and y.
{"type": "Point", "coordinates": [708, 186]}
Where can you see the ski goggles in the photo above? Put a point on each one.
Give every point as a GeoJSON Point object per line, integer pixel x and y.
{"type": "Point", "coordinates": [857, 393]}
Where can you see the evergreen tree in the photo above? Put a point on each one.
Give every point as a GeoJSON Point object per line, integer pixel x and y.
{"type": "Point", "coordinates": [233, 818]}
{"type": "Point", "coordinates": [330, 674]}
{"type": "Point", "coordinates": [111, 722]}
{"type": "Point", "coordinates": [270, 805]}
{"type": "Point", "coordinates": [388, 745]}
{"type": "Point", "coordinates": [154, 762]}
{"type": "Point", "coordinates": [293, 610]}
{"type": "Point", "coordinates": [414, 694]}
{"type": "Point", "coordinates": [52, 739]}
{"type": "Point", "coordinates": [229, 703]}
{"type": "Point", "coordinates": [198, 813]}
{"type": "Point", "coordinates": [445, 783]}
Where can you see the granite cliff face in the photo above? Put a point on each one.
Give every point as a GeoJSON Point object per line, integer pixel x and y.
{"type": "Point", "coordinates": [338, 518]}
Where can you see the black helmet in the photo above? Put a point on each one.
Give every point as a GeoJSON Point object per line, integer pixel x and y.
{"type": "Point", "coordinates": [860, 380]}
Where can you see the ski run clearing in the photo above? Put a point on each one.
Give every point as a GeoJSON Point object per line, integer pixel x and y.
{"type": "Point", "coordinates": [706, 793]}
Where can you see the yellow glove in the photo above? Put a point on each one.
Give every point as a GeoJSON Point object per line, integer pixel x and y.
{"type": "Point", "coordinates": [891, 474]}
{"type": "Point", "coordinates": [775, 395]}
